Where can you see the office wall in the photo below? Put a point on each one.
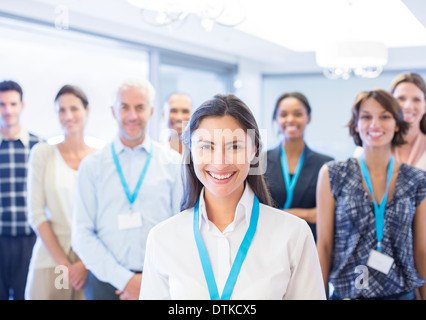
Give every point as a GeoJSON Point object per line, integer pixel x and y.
{"type": "Point", "coordinates": [44, 60]}
{"type": "Point", "coordinates": [200, 85]}
{"type": "Point", "coordinates": [42, 63]}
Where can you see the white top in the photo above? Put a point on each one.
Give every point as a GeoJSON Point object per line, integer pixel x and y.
{"type": "Point", "coordinates": [48, 199]}
{"type": "Point", "coordinates": [65, 182]}
{"type": "Point", "coordinates": [421, 164]}
{"type": "Point", "coordinates": [281, 263]}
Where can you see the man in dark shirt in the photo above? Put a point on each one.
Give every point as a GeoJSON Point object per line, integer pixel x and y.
{"type": "Point", "coordinates": [16, 236]}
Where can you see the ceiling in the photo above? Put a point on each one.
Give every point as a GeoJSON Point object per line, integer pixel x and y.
{"type": "Point", "coordinates": [301, 24]}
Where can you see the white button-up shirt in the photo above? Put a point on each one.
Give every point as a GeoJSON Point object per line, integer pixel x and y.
{"type": "Point", "coordinates": [281, 263]}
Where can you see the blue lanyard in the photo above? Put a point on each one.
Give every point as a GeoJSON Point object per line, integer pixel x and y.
{"type": "Point", "coordinates": [290, 184]}
{"type": "Point", "coordinates": [379, 209]}
{"type": "Point", "coordinates": [130, 197]}
{"type": "Point", "coordinates": [239, 259]}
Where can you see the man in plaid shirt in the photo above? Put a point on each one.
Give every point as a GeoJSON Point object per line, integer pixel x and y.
{"type": "Point", "coordinates": [16, 237]}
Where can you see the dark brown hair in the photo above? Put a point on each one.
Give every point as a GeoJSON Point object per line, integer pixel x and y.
{"type": "Point", "coordinates": [297, 95]}
{"type": "Point", "coordinates": [219, 106]}
{"type": "Point", "coordinates": [387, 101]}
{"type": "Point", "coordinates": [417, 80]}
{"type": "Point", "coordinates": [75, 91]}
{"type": "Point", "coordinates": [9, 85]}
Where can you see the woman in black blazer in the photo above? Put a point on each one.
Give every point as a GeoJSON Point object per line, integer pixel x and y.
{"type": "Point", "coordinates": [292, 114]}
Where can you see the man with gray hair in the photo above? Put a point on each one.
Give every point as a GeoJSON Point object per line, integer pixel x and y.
{"type": "Point", "coordinates": [123, 190]}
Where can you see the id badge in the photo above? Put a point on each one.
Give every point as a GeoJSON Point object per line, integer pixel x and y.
{"type": "Point", "coordinates": [129, 220]}
{"type": "Point", "coordinates": [379, 261]}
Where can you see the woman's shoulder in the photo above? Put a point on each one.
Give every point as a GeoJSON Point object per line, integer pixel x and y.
{"type": "Point", "coordinates": [273, 154]}
{"type": "Point", "coordinates": [43, 147]}
{"type": "Point", "coordinates": [410, 176]}
{"type": "Point", "coordinates": [276, 149]}
{"type": "Point", "coordinates": [282, 221]}
{"type": "Point", "coordinates": [170, 227]}
{"type": "Point", "coordinates": [411, 182]}
{"type": "Point", "coordinates": [42, 150]}
{"type": "Point", "coordinates": [412, 172]}
{"type": "Point", "coordinates": [342, 174]}
{"type": "Point", "coordinates": [342, 165]}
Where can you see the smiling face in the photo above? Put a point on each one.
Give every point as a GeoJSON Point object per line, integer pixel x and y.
{"type": "Point", "coordinates": [376, 126]}
{"type": "Point", "coordinates": [292, 118]}
{"type": "Point", "coordinates": [11, 107]}
{"type": "Point", "coordinates": [72, 114]}
{"type": "Point", "coordinates": [412, 101]}
{"type": "Point", "coordinates": [221, 152]}
{"type": "Point", "coordinates": [179, 112]}
{"type": "Point", "coordinates": [132, 112]}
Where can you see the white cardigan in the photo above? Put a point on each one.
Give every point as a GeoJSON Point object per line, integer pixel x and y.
{"type": "Point", "coordinates": [44, 203]}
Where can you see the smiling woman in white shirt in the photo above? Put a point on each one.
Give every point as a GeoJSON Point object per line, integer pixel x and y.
{"type": "Point", "coordinates": [228, 243]}
{"type": "Point", "coordinates": [52, 175]}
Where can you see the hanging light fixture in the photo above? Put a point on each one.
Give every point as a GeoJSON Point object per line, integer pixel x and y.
{"type": "Point", "coordinates": [228, 13]}
{"type": "Point", "coordinates": [341, 59]}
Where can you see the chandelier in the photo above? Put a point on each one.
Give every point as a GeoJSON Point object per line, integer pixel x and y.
{"type": "Point", "coordinates": [362, 58]}
{"type": "Point", "coordinates": [228, 13]}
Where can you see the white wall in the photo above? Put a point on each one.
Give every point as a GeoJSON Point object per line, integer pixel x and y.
{"type": "Point", "coordinates": [249, 85]}
{"type": "Point", "coordinates": [200, 85]}
{"type": "Point", "coordinates": [42, 64]}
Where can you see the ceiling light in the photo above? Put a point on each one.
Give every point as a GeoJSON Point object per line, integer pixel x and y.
{"type": "Point", "coordinates": [342, 58]}
{"type": "Point", "coordinates": [228, 13]}
{"type": "Point", "coordinates": [303, 25]}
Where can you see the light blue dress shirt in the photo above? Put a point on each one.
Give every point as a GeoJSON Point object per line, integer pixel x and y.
{"type": "Point", "coordinates": [108, 252]}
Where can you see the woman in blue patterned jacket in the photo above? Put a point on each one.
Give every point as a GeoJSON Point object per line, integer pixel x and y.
{"type": "Point", "coordinates": [371, 223]}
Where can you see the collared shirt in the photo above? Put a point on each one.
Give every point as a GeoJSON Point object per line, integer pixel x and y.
{"type": "Point", "coordinates": [109, 252]}
{"type": "Point", "coordinates": [281, 263]}
{"type": "Point", "coordinates": [13, 178]}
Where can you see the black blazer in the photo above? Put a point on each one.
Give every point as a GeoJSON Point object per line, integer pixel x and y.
{"type": "Point", "coordinates": [304, 195]}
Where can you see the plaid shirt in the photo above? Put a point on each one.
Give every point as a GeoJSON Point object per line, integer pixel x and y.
{"type": "Point", "coordinates": [13, 184]}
